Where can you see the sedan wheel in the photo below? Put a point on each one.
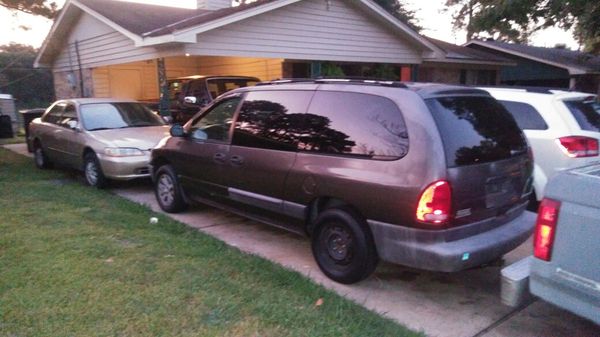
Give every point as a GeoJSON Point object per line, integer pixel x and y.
{"type": "Point", "coordinates": [93, 172]}
{"type": "Point", "coordinates": [39, 157]}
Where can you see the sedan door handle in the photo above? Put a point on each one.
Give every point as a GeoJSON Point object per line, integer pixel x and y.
{"type": "Point", "coordinates": [219, 157]}
{"type": "Point", "coordinates": [237, 160]}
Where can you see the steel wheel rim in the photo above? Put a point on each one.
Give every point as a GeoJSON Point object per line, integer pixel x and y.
{"type": "Point", "coordinates": [166, 189]}
{"type": "Point", "coordinates": [338, 241]}
{"type": "Point", "coordinates": [91, 172]}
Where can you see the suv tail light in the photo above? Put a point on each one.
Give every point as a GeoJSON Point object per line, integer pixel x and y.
{"type": "Point", "coordinates": [545, 229]}
{"type": "Point", "coordinates": [435, 203]}
{"type": "Point", "coordinates": [578, 146]}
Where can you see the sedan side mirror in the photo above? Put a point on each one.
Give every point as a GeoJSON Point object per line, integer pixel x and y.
{"type": "Point", "coordinates": [73, 125]}
{"type": "Point", "coordinates": [190, 99]}
{"type": "Point", "coordinates": [177, 131]}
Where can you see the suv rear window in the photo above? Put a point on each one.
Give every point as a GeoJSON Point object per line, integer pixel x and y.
{"type": "Point", "coordinates": [476, 129]}
{"type": "Point", "coordinates": [526, 116]}
{"type": "Point", "coordinates": [586, 112]}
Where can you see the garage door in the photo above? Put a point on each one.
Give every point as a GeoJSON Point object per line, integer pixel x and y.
{"type": "Point", "coordinates": [125, 83]}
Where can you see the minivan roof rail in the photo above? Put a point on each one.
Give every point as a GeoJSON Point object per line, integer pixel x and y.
{"type": "Point", "coordinates": [344, 80]}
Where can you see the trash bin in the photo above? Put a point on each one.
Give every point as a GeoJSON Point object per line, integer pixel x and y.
{"type": "Point", "coordinates": [6, 130]}
{"type": "Point", "coordinates": [28, 116]}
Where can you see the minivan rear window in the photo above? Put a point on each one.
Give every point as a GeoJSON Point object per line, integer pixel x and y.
{"type": "Point", "coordinates": [476, 129]}
{"type": "Point", "coordinates": [586, 112]}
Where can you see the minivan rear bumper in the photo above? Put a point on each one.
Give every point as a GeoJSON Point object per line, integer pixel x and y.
{"type": "Point", "coordinates": [430, 250]}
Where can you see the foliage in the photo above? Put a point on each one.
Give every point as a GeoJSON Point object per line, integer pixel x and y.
{"type": "Point", "coordinates": [78, 261]}
{"type": "Point", "coordinates": [329, 69]}
{"type": "Point", "coordinates": [516, 20]}
{"type": "Point", "coordinates": [397, 9]}
{"type": "Point", "coordinates": [36, 7]}
{"type": "Point", "coordinates": [30, 87]}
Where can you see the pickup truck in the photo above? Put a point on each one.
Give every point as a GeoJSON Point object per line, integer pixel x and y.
{"type": "Point", "coordinates": [565, 267]}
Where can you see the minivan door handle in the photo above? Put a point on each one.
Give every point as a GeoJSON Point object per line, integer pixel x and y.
{"type": "Point", "coordinates": [219, 157]}
{"type": "Point", "coordinates": [237, 160]}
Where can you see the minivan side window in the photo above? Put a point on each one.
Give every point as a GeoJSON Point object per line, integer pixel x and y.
{"type": "Point", "coordinates": [346, 123]}
{"type": "Point", "coordinates": [214, 124]}
{"type": "Point", "coordinates": [526, 116]}
{"type": "Point", "coordinates": [272, 120]}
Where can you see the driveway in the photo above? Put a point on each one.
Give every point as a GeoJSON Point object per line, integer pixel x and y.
{"type": "Point", "coordinates": [439, 304]}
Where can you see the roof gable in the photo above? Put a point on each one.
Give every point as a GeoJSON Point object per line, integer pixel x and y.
{"type": "Point", "coordinates": [575, 62]}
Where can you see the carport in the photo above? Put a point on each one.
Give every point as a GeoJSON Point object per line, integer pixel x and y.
{"type": "Point", "coordinates": [113, 48]}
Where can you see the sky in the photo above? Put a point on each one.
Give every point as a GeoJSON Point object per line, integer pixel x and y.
{"type": "Point", "coordinates": [436, 24]}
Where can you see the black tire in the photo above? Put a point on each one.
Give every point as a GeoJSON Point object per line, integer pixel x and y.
{"type": "Point", "coordinates": [343, 246]}
{"type": "Point", "coordinates": [92, 171]}
{"type": "Point", "coordinates": [168, 191]}
{"type": "Point", "coordinates": [39, 156]}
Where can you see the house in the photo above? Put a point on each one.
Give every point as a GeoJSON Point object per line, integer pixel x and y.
{"type": "Point", "coordinates": [547, 67]}
{"type": "Point", "coordinates": [120, 49]}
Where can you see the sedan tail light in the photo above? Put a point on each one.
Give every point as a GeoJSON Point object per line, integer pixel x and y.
{"type": "Point", "coordinates": [545, 229]}
{"type": "Point", "coordinates": [578, 146]}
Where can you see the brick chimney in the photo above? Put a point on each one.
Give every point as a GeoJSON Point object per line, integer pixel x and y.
{"type": "Point", "coordinates": [213, 4]}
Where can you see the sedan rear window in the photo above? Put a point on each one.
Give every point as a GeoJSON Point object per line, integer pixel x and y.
{"type": "Point", "coordinates": [586, 112]}
{"type": "Point", "coordinates": [476, 129]}
{"type": "Point", "coordinates": [103, 116]}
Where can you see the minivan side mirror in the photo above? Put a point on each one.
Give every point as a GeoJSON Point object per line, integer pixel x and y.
{"type": "Point", "coordinates": [177, 131]}
{"type": "Point", "coordinates": [190, 99]}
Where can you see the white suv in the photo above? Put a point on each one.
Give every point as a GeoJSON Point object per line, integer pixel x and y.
{"type": "Point", "coordinates": [562, 127]}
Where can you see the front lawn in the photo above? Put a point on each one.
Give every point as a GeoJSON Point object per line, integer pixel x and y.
{"type": "Point", "coordinates": [75, 261]}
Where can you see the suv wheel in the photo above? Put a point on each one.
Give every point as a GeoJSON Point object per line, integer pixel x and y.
{"type": "Point", "coordinates": [167, 190]}
{"type": "Point", "coordinates": [39, 156]}
{"type": "Point", "coordinates": [343, 246]}
{"type": "Point", "coordinates": [92, 171]}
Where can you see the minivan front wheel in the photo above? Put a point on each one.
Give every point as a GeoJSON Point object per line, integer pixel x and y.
{"type": "Point", "coordinates": [167, 190]}
{"type": "Point", "coordinates": [343, 246]}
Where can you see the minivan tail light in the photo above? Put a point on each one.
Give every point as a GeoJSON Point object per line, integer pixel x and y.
{"type": "Point", "coordinates": [435, 203]}
{"type": "Point", "coordinates": [545, 229]}
{"type": "Point", "coordinates": [578, 146]}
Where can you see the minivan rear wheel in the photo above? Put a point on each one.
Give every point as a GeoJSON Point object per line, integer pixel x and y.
{"type": "Point", "coordinates": [167, 190]}
{"type": "Point", "coordinates": [343, 246]}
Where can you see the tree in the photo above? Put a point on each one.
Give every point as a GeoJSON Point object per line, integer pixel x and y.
{"type": "Point", "coordinates": [35, 7]}
{"type": "Point", "coordinates": [397, 9]}
{"type": "Point", "coordinates": [30, 87]}
{"type": "Point", "coordinates": [515, 20]}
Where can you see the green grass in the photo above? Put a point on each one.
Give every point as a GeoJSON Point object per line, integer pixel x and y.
{"type": "Point", "coordinates": [75, 261]}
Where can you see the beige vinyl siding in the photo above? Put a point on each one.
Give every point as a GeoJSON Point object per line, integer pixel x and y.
{"type": "Point", "coordinates": [101, 45]}
{"type": "Point", "coordinates": [264, 69]}
{"type": "Point", "coordinates": [309, 30]}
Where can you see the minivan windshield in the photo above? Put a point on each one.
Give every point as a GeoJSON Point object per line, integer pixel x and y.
{"type": "Point", "coordinates": [218, 86]}
{"type": "Point", "coordinates": [103, 116]}
{"type": "Point", "coordinates": [586, 112]}
{"type": "Point", "coordinates": [476, 129]}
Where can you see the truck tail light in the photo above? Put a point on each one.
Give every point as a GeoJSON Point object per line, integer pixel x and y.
{"type": "Point", "coordinates": [545, 229]}
{"type": "Point", "coordinates": [578, 146]}
{"type": "Point", "coordinates": [435, 203]}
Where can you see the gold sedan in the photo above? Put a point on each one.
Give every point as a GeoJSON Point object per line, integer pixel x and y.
{"type": "Point", "coordinates": [105, 138]}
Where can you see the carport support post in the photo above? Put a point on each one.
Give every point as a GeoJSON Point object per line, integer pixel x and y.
{"type": "Point", "coordinates": [315, 69]}
{"type": "Point", "coordinates": [163, 105]}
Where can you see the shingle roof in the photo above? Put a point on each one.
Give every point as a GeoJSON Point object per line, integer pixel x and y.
{"type": "Point", "coordinates": [151, 20]}
{"type": "Point", "coordinates": [566, 57]}
{"type": "Point", "coordinates": [467, 54]}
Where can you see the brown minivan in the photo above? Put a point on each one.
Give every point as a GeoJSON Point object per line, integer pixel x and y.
{"type": "Point", "coordinates": [431, 176]}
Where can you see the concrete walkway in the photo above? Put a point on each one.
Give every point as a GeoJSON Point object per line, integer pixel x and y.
{"type": "Point", "coordinates": [460, 304]}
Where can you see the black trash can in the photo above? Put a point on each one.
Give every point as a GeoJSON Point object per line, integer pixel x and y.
{"type": "Point", "coordinates": [28, 116]}
{"type": "Point", "coordinates": [6, 130]}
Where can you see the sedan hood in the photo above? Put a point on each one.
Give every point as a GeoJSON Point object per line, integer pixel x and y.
{"type": "Point", "coordinates": [143, 138]}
